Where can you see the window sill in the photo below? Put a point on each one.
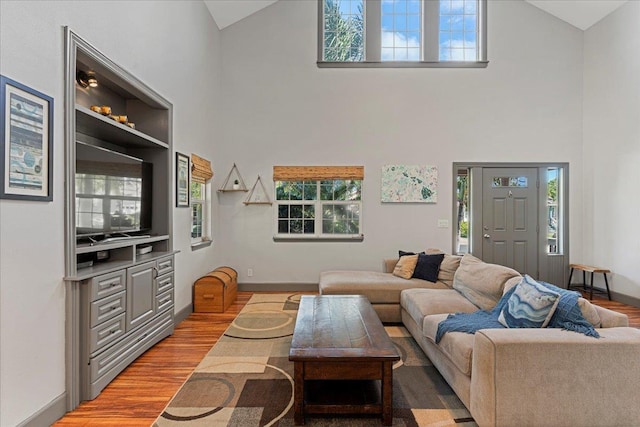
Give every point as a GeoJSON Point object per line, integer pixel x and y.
{"type": "Point", "coordinates": [403, 64]}
{"type": "Point", "coordinates": [200, 245]}
{"type": "Point", "coordinates": [358, 238]}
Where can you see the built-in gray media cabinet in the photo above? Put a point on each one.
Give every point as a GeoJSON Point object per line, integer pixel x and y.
{"type": "Point", "coordinates": [118, 219]}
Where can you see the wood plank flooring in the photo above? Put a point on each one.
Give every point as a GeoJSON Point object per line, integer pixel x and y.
{"type": "Point", "coordinates": [140, 393]}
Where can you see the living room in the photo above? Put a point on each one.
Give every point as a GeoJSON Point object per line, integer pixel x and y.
{"type": "Point", "coordinates": [251, 94]}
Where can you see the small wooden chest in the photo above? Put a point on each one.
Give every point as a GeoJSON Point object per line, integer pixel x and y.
{"type": "Point", "coordinates": [215, 291]}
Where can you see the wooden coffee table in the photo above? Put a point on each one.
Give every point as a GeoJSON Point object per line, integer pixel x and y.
{"type": "Point", "coordinates": [340, 338]}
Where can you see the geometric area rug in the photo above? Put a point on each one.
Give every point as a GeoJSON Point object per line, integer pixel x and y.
{"type": "Point", "coordinates": [246, 379]}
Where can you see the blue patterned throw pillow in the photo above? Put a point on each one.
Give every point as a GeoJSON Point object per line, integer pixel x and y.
{"type": "Point", "coordinates": [530, 306]}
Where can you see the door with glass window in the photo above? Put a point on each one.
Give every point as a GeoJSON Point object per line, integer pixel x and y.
{"type": "Point", "coordinates": [510, 218]}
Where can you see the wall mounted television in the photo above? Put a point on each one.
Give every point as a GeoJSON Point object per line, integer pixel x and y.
{"type": "Point", "coordinates": [113, 193]}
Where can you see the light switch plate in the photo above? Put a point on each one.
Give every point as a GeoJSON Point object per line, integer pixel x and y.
{"type": "Point", "coordinates": [443, 223]}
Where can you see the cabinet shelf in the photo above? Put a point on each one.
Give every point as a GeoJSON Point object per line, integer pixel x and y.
{"type": "Point", "coordinates": [98, 126]}
{"type": "Point", "coordinates": [86, 248]}
{"type": "Point", "coordinates": [98, 269]}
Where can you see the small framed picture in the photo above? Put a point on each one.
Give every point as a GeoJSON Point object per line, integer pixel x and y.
{"type": "Point", "coordinates": [182, 180]}
{"type": "Point", "coordinates": [26, 120]}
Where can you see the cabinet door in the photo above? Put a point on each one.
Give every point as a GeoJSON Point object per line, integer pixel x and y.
{"type": "Point", "coordinates": [141, 293]}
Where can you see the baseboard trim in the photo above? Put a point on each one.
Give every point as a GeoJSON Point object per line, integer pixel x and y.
{"type": "Point", "coordinates": [183, 314]}
{"type": "Point", "coordinates": [278, 287]}
{"type": "Point", "coordinates": [625, 299]}
{"type": "Point", "coordinates": [49, 414]}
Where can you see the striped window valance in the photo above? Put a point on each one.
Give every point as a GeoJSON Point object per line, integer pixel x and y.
{"type": "Point", "coordinates": [200, 169]}
{"type": "Point", "coordinates": [317, 173]}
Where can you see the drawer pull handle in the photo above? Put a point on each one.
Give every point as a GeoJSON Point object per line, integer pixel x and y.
{"type": "Point", "coordinates": [142, 337]}
{"type": "Point", "coordinates": [208, 296]}
{"type": "Point", "coordinates": [114, 307]}
{"type": "Point", "coordinates": [113, 331]}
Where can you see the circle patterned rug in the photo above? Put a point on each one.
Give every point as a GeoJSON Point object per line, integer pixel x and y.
{"type": "Point", "coordinates": [246, 379]}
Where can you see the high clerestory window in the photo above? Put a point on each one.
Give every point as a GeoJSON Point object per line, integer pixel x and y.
{"type": "Point", "coordinates": [402, 33]}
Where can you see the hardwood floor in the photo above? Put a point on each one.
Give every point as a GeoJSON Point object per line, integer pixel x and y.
{"type": "Point", "coordinates": [140, 393]}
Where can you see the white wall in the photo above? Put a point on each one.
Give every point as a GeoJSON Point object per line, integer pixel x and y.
{"type": "Point", "coordinates": [612, 146]}
{"type": "Point", "coordinates": [280, 109]}
{"type": "Point", "coordinates": [173, 46]}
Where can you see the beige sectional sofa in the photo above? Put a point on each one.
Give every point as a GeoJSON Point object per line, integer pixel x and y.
{"type": "Point", "coordinates": [383, 288]}
{"type": "Point", "coordinates": [513, 377]}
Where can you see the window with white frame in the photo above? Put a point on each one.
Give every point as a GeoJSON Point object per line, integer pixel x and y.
{"type": "Point", "coordinates": [198, 211]}
{"type": "Point", "coordinates": [201, 173]}
{"type": "Point", "coordinates": [392, 33]}
{"type": "Point", "coordinates": [318, 202]}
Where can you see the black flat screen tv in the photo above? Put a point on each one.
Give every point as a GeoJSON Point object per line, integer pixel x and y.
{"type": "Point", "coordinates": [113, 192]}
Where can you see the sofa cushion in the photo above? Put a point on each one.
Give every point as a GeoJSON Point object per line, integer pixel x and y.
{"type": "Point", "coordinates": [482, 283]}
{"type": "Point", "coordinates": [378, 287]}
{"type": "Point", "coordinates": [428, 266]}
{"type": "Point", "coordinates": [405, 266]}
{"type": "Point", "coordinates": [448, 267]}
{"type": "Point", "coordinates": [531, 305]}
{"type": "Point", "coordinates": [419, 303]}
{"type": "Point", "coordinates": [457, 346]}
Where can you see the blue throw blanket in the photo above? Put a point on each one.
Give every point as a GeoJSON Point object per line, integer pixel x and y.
{"type": "Point", "coordinates": [566, 316]}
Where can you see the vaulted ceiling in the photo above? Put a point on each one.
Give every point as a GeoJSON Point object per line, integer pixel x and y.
{"type": "Point", "coordinates": [579, 13]}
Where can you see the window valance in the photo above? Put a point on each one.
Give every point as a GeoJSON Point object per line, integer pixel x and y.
{"type": "Point", "coordinates": [200, 169]}
{"type": "Point", "coordinates": [317, 173]}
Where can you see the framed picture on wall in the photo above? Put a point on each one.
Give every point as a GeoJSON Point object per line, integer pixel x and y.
{"type": "Point", "coordinates": [182, 180]}
{"type": "Point", "coordinates": [26, 120]}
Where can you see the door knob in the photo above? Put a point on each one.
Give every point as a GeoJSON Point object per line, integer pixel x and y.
{"type": "Point", "coordinates": [486, 236]}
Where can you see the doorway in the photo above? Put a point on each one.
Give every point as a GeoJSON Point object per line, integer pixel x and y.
{"type": "Point", "coordinates": [514, 215]}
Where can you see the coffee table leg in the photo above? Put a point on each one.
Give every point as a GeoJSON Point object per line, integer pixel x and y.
{"type": "Point", "coordinates": [298, 393]}
{"type": "Point", "coordinates": [387, 393]}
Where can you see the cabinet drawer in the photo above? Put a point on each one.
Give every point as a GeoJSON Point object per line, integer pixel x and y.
{"type": "Point", "coordinates": [108, 308]}
{"type": "Point", "coordinates": [165, 283]}
{"type": "Point", "coordinates": [106, 333]}
{"type": "Point", "coordinates": [165, 265]}
{"type": "Point", "coordinates": [164, 301]}
{"type": "Point", "coordinates": [111, 361]}
{"type": "Point", "coordinates": [107, 284]}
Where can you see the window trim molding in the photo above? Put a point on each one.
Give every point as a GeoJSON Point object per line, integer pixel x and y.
{"type": "Point", "coordinates": [353, 238]}
{"type": "Point", "coordinates": [373, 44]}
{"type": "Point", "coordinates": [403, 64]}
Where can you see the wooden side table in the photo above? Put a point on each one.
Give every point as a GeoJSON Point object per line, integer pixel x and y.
{"type": "Point", "coordinates": [589, 269]}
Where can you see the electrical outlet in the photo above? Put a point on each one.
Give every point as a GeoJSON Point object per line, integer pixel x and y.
{"type": "Point", "coordinates": [443, 223]}
{"type": "Point", "coordinates": [250, 272]}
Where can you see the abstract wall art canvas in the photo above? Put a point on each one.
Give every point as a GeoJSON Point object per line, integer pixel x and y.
{"type": "Point", "coordinates": [409, 184]}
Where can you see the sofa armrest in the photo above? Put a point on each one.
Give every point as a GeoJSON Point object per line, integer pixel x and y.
{"type": "Point", "coordinates": [543, 376]}
{"type": "Point", "coordinates": [389, 264]}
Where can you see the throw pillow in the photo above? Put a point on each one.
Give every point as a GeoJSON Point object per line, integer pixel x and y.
{"type": "Point", "coordinates": [530, 306]}
{"type": "Point", "coordinates": [405, 266]}
{"type": "Point", "coordinates": [403, 253]}
{"type": "Point", "coordinates": [589, 312]}
{"type": "Point", "coordinates": [428, 266]}
{"type": "Point", "coordinates": [448, 268]}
